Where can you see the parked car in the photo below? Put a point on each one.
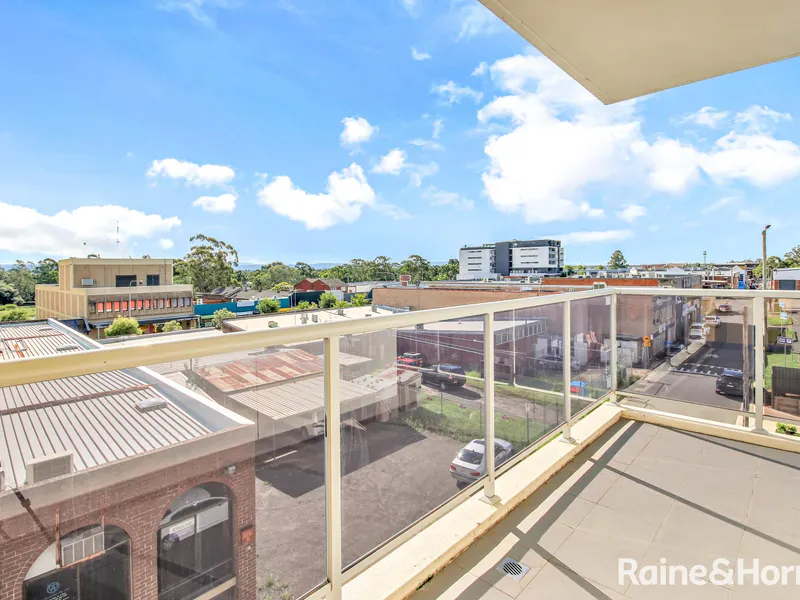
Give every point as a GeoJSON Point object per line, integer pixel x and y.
{"type": "Point", "coordinates": [698, 332]}
{"type": "Point", "coordinates": [725, 307]}
{"type": "Point", "coordinates": [712, 320]}
{"type": "Point", "coordinates": [730, 383]}
{"type": "Point", "coordinates": [410, 360]}
{"type": "Point", "coordinates": [444, 376]}
{"type": "Point", "coordinates": [672, 348]}
{"type": "Point", "coordinates": [470, 464]}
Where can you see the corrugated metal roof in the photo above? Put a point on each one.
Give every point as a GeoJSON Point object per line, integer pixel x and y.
{"type": "Point", "coordinates": [37, 339]}
{"type": "Point", "coordinates": [268, 368]}
{"type": "Point", "coordinates": [297, 397]}
{"type": "Point", "coordinates": [93, 416]}
{"type": "Point", "coordinates": [162, 337]}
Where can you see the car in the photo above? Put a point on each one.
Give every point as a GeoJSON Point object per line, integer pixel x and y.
{"type": "Point", "coordinates": [698, 332]}
{"type": "Point", "coordinates": [672, 348]}
{"type": "Point", "coordinates": [712, 320]}
{"type": "Point", "coordinates": [470, 463]}
{"type": "Point", "coordinates": [730, 383]}
{"type": "Point", "coordinates": [444, 376]}
{"type": "Point", "coordinates": [725, 307]}
{"type": "Point", "coordinates": [410, 361]}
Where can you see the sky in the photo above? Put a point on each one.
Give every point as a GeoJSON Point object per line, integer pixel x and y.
{"type": "Point", "coordinates": [321, 131]}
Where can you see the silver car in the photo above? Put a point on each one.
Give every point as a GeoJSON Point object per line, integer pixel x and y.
{"type": "Point", "coordinates": [470, 464]}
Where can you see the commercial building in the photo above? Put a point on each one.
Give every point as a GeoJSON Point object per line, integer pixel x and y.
{"type": "Point", "coordinates": [515, 259]}
{"type": "Point", "coordinates": [92, 292]}
{"type": "Point", "coordinates": [120, 484]}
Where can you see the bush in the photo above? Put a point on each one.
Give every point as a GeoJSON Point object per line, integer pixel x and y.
{"type": "Point", "coordinates": [786, 429]}
{"type": "Point", "coordinates": [359, 300]}
{"type": "Point", "coordinates": [341, 304]}
{"type": "Point", "coordinates": [303, 305]}
{"type": "Point", "coordinates": [123, 326]}
{"type": "Point", "coordinates": [327, 300]}
{"type": "Point", "coordinates": [171, 326]}
{"type": "Point", "coordinates": [268, 305]}
{"type": "Point", "coordinates": [220, 316]}
{"type": "Point", "coordinates": [9, 294]}
{"type": "Point", "coordinates": [14, 314]}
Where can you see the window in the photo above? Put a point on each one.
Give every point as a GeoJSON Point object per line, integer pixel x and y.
{"type": "Point", "coordinates": [188, 302]}
{"type": "Point", "coordinates": [116, 306]}
{"type": "Point", "coordinates": [124, 305]}
{"type": "Point", "coordinates": [160, 303]}
{"type": "Point", "coordinates": [107, 575]}
{"type": "Point", "coordinates": [99, 307]}
{"type": "Point", "coordinates": [153, 280]}
{"type": "Point", "coordinates": [181, 301]}
{"type": "Point", "coordinates": [126, 280]}
{"type": "Point", "coordinates": [147, 304]}
{"type": "Point", "coordinates": [195, 543]}
{"type": "Point", "coordinates": [139, 304]}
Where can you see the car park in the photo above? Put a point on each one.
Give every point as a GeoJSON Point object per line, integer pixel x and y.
{"type": "Point", "coordinates": [470, 464]}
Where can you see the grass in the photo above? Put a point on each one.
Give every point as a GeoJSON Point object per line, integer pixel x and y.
{"type": "Point", "coordinates": [476, 381]}
{"type": "Point", "coordinates": [466, 424]}
{"type": "Point", "coordinates": [21, 313]}
{"type": "Point", "coordinates": [775, 359]}
{"type": "Point", "coordinates": [776, 320]}
{"type": "Point", "coordinates": [271, 588]}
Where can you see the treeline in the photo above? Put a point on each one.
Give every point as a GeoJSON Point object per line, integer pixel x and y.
{"type": "Point", "coordinates": [17, 284]}
{"type": "Point", "coordinates": [212, 263]}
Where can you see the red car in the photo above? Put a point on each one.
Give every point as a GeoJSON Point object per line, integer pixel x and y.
{"type": "Point", "coordinates": [725, 307]}
{"type": "Point", "coordinates": [411, 361]}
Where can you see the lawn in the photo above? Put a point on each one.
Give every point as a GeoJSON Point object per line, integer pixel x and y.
{"type": "Point", "coordinates": [776, 320]}
{"type": "Point", "coordinates": [476, 381]}
{"type": "Point", "coordinates": [776, 359]}
{"type": "Point", "coordinates": [12, 312]}
{"type": "Point", "coordinates": [465, 424]}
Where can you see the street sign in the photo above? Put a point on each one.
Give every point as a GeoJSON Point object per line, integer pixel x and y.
{"type": "Point", "coordinates": [784, 317]}
{"type": "Point", "coordinates": [786, 341]}
{"type": "Point", "coordinates": [646, 341]}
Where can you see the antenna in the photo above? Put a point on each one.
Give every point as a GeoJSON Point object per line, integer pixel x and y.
{"type": "Point", "coordinates": [118, 254]}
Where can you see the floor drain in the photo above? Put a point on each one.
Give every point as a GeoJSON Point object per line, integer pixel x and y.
{"type": "Point", "coordinates": [514, 569]}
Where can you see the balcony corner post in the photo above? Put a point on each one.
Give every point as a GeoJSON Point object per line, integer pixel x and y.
{"type": "Point", "coordinates": [333, 467]}
{"type": "Point", "coordinates": [613, 367]}
{"type": "Point", "coordinates": [567, 367]}
{"type": "Point", "coordinates": [488, 391]}
{"type": "Point", "coordinates": [759, 348]}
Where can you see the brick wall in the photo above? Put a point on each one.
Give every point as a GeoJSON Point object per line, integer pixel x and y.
{"type": "Point", "coordinates": [137, 506]}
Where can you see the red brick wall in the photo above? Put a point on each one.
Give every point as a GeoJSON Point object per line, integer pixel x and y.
{"type": "Point", "coordinates": [303, 285]}
{"type": "Point", "coordinates": [137, 506]}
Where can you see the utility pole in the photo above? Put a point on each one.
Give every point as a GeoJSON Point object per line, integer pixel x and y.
{"type": "Point", "coordinates": [764, 257]}
{"type": "Point", "coordinates": [746, 363]}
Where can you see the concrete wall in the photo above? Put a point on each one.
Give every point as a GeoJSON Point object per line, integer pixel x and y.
{"type": "Point", "coordinates": [104, 272]}
{"type": "Point", "coordinates": [426, 298]}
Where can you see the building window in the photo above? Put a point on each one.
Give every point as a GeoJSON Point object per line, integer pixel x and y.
{"type": "Point", "coordinates": [195, 543]}
{"type": "Point", "coordinates": [154, 280]}
{"type": "Point", "coordinates": [126, 280]}
{"type": "Point", "coordinates": [139, 304]}
{"type": "Point", "coordinates": [181, 301]}
{"type": "Point", "coordinates": [160, 303]}
{"type": "Point", "coordinates": [116, 305]}
{"type": "Point", "coordinates": [106, 575]}
{"type": "Point", "coordinates": [188, 302]}
{"type": "Point", "coordinates": [99, 307]}
{"type": "Point", "coordinates": [147, 304]}
{"type": "Point", "coordinates": [124, 305]}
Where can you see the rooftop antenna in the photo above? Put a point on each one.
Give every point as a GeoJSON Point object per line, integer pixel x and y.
{"type": "Point", "coordinates": [118, 254]}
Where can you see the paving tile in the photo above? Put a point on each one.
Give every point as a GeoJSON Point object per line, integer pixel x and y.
{"type": "Point", "coordinates": [557, 582]}
{"type": "Point", "coordinates": [453, 583]}
{"type": "Point", "coordinates": [673, 447]}
{"type": "Point", "coordinates": [556, 507]}
{"type": "Point", "coordinates": [722, 456]}
{"type": "Point", "coordinates": [663, 475]}
{"type": "Point", "coordinates": [686, 557]}
{"type": "Point", "coordinates": [639, 501]}
{"type": "Point", "coordinates": [778, 464]}
{"type": "Point", "coordinates": [688, 527]}
{"type": "Point", "coordinates": [617, 524]}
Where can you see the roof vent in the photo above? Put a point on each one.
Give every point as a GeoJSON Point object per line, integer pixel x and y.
{"type": "Point", "coordinates": [315, 318]}
{"type": "Point", "coordinates": [47, 467]}
{"type": "Point", "coordinates": [512, 568]}
{"type": "Point", "coordinates": [148, 404]}
{"type": "Point", "coordinates": [45, 328]}
{"type": "Point", "coordinates": [20, 346]}
{"type": "Point", "coordinates": [68, 348]}
{"type": "Point", "coordinates": [76, 547]}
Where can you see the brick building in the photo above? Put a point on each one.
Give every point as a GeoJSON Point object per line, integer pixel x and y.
{"type": "Point", "coordinates": [320, 285]}
{"type": "Point", "coordinates": [120, 485]}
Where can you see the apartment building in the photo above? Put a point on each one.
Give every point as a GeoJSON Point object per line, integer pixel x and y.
{"type": "Point", "coordinates": [511, 259]}
{"type": "Point", "coordinates": [92, 292]}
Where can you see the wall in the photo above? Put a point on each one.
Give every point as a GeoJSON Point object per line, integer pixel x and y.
{"type": "Point", "coordinates": [426, 298]}
{"type": "Point", "coordinates": [105, 272]}
{"type": "Point", "coordinates": [609, 281]}
{"type": "Point", "coordinates": [52, 302]}
{"type": "Point", "coordinates": [137, 506]}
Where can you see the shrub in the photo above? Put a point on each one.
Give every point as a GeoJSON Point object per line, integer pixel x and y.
{"type": "Point", "coordinates": [303, 305]}
{"type": "Point", "coordinates": [786, 429]}
{"type": "Point", "coordinates": [220, 316]}
{"type": "Point", "coordinates": [268, 305]}
{"type": "Point", "coordinates": [359, 300]}
{"type": "Point", "coordinates": [171, 326]}
{"type": "Point", "coordinates": [14, 314]}
{"type": "Point", "coordinates": [123, 326]}
{"type": "Point", "coordinates": [327, 300]}
{"type": "Point", "coordinates": [341, 304]}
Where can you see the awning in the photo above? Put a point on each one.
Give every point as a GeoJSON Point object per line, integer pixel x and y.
{"type": "Point", "coordinates": [629, 48]}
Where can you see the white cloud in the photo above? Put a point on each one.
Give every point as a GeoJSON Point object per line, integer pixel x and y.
{"type": "Point", "coordinates": [391, 163]}
{"type": "Point", "coordinates": [671, 166]}
{"type": "Point", "coordinates": [632, 212]}
{"type": "Point", "coordinates": [759, 118]}
{"type": "Point", "coordinates": [392, 211]}
{"type": "Point", "coordinates": [345, 195]}
{"type": "Point", "coordinates": [417, 55]}
{"type": "Point", "coordinates": [452, 199]}
{"type": "Point", "coordinates": [420, 172]}
{"type": "Point", "coordinates": [356, 130]}
{"type": "Point", "coordinates": [438, 126]}
{"type": "Point", "coordinates": [454, 93]}
{"type": "Point", "coordinates": [78, 232]}
{"type": "Point", "coordinates": [216, 204]}
{"type": "Point", "coordinates": [481, 69]}
{"type": "Point", "coordinates": [410, 6]}
{"type": "Point", "coordinates": [193, 174]}
{"type": "Point", "coordinates": [198, 9]}
{"type": "Point", "coordinates": [714, 206]}
{"type": "Point", "coordinates": [165, 243]}
{"type": "Point", "coordinates": [757, 158]}
{"type": "Point", "coordinates": [427, 144]}
{"type": "Point", "coordinates": [473, 19]}
{"type": "Point", "coordinates": [708, 116]}
{"type": "Point", "coordinates": [593, 237]}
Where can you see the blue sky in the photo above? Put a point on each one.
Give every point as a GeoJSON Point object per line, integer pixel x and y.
{"type": "Point", "coordinates": [321, 131]}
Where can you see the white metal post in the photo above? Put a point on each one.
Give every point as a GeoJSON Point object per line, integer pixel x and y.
{"type": "Point", "coordinates": [333, 467]}
{"type": "Point", "coordinates": [759, 347]}
{"type": "Point", "coordinates": [488, 400]}
{"type": "Point", "coordinates": [567, 352]}
{"type": "Point", "coordinates": [614, 375]}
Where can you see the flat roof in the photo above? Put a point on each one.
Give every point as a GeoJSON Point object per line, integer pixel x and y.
{"type": "Point", "coordinates": [155, 338]}
{"type": "Point", "coordinates": [628, 48]}
{"type": "Point", "coordinates": [289, 319]}
{"type": "Point", "coordinates": [95, 417]}
{"type": "Point", "coordinates": [256, 371]}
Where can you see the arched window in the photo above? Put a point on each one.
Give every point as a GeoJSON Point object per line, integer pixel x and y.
{"type": "Point", "coordinates": [195, 543]}
{"type": "Point", "coordinates": [88, 564]}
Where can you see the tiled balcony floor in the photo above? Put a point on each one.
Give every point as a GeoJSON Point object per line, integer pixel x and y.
{"type": "Point", "coordinates": [646, 493]}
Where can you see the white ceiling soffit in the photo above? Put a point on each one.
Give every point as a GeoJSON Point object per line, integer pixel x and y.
{"type": "Point", "coordinates": [622, 49]}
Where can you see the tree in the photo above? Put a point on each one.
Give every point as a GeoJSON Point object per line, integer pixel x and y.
{"type": "Point", "coordinates": [171, 326]}
{"type": "Point", "coordinates": [773, 262]}
{"type": "Point", "coordinates": [416, 266]}
{"type": "Point", "coordinates": [123, 326]}
{"type": "Point", "coordinates": [617, 260]}
{"type": "Point", "coordinates": [341, 304]}
{"type": "Point", "coordinates": [273, 274]}
{"type": "Point", "coordinates": [343, 272]}
{"type": "Point", "coordinates": [447, 271]}
{"type": "Point", "coordinates": [306, 271]}
{"type": "Point", "coordinates": [46, 271]}
{"type": "Point", "coordinates": [359, 300]}
{"type": "Point", "coordinates": [303, 305]}
{"type": "Point", "coordinates": [327, 300]}
{"type": "Point", "coordinates": [268, 305]}
{"type": "Point", "coordinates": [283, 286]}
{"type": "Point", "coordinates": [220, 316]}
{"type": "Point", "coordinates": [792, 257]}
{"type": "Point", "coordinates": [209, 264]}
{"type": "Point", "coordinates": [14, 314]}
{"type": "Point", "coordinates": [21, 277]}
{"type": "Point", "coordinates": [9, 294]}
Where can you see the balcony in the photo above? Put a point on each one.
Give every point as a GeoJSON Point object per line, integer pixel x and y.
{"type": "Point", "coordinates": [566, 432]}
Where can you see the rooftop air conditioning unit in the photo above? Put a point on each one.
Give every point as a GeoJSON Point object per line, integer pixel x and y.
{"type": "Point", "coordinates": [315, 318]}
{"type": "Point", "coordinates": [47, 467]}
{"type": "Point", "coordinates": [79, 546]}
{"type": "Point", "coordinates": [148, 404]}
{"type": "Point", "coordinates": [599, 285]}
{"type": "Point", "coordinates": [87, 281]}
{"type": "Point", "coordinates": [303, 319]}
{"type": "Point", "coordinates": [340, 312]}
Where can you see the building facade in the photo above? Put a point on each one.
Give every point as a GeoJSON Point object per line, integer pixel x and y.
{"type": "Point", "coordinates": [512, 259]}
{"type": "Point", "coordinates": [320, 285]}
{"type": "Point", "coordinates": [92, 292]}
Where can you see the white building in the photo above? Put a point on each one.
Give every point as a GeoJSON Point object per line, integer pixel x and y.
{"type": "Point", "coordinates": [512, 259]}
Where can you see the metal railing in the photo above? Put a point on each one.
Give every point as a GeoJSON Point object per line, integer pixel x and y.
{"type": "Point", "coordinates": [33, 370]}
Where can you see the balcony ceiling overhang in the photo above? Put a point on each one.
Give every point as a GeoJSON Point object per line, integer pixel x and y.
{"type": "Point", "coordinates": [622, 49]}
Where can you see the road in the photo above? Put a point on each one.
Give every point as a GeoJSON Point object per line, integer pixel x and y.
{"type": "Point", "coordinates": [691, 376]}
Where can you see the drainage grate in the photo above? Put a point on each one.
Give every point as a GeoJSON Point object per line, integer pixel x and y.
{"type": "Point", "coordinates": [514, 569]}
